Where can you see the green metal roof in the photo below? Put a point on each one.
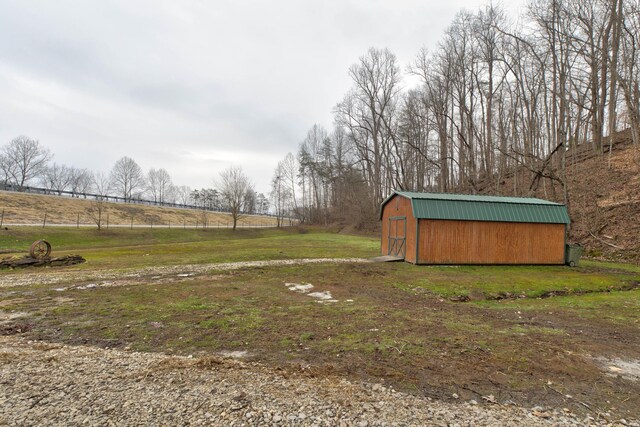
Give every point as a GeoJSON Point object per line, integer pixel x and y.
{"type": "Point", "coordinates": [484, 208]}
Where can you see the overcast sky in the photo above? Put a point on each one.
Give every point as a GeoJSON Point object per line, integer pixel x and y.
{"type": "Point", "coordinates": [193, 86]}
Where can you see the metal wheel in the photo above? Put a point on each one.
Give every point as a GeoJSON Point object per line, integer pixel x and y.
{"type": "Point", "coordinates": [572, 263]}
{"type": "Point", "coordinates": [40, 249]}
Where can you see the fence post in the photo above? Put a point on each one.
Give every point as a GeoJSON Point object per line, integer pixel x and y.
{"type": "Point", "coordinates": [184, 225]}
{"type": "Point", "coordinates": [131, 222]}
{"type": "Point", "coordinates": [44, 221]}
{"type": "Point", "coordinates": [2, 218]}
{"type": "Point", "coordinates": [78, 221]}
{"type": "Point", "coordinates": [107, 220]}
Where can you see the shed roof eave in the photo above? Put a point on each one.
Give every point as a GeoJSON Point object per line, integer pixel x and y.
{"type": "Point", "coordinates": [387, 200]}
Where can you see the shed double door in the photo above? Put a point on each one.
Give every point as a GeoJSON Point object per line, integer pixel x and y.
{"type": "Point", "coordinates": [397, 236]}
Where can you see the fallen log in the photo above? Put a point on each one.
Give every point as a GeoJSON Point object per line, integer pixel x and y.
{"type": "Point", "coordinates": [605, 242]}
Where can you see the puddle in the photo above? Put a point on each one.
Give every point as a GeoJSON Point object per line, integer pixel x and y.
{"type": "Point", "coordinates": [627, 369]}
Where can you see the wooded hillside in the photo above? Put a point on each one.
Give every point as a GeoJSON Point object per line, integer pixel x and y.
{"type": "Point", "coordinates": [501, 106]}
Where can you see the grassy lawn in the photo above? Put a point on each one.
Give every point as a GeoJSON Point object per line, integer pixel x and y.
{"type": "Point", "coordinates": [128, 248]}
{"type": "Point", "coordinates": [523, 334]}
{"type": "Point", "coordinates": [500, 282]}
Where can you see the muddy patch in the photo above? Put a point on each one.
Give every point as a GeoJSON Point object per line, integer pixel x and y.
{"type": "Point", "coordinates": [14, 328]}
{"type": "Point", "coordinates": [479, 295]}
{"type": "Point", "coordinates": [626, 369]}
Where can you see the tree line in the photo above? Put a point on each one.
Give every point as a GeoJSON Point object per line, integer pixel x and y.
{"type": "Point", "coordinates": [493, 98]}
{"type": "Point", "coordinates": [24, 161]}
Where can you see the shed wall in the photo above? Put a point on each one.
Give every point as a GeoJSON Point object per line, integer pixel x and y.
{"type": "Point", "coordinates": [486, 242]}
{"type": "Point", "coordinates": [399, 206]}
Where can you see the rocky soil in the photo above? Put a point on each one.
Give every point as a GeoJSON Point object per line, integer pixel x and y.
{"type": "Point", "coordinates": [160, 274]}
{"type": "Point", "coordinates": [27, 261]}
{"type": "Point", "coordinates": [53, 384]}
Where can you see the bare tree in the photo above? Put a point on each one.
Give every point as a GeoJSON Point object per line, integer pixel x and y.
{"type": "Point", "coordinates": [234, 185]}
{"type": "Point", "coordinates": [101, 183]}
{"type": "Point", "coordinates": [81, 181]}
{"type": "Point", "coordinates": [7, 169]}
{"type": "Point", "coordinates": [629, 78]}
{"type": "Point", "coordinates": [183, 194]}
{"type": "Point", "coordinates": [280, 192]}
{"type": "Point", "coordinates": [24, 159]}
{"type": "Point", "coordinates": [159, 184]}
{"type": "Point", "coordinates": [498, 103]}
{"type": "Point", "coordinates": [368, 113]}
{"type": "Point", "coordinates": [126, 177]}
{"type": "Point", "coordinates": [57, 178]}
{"type": "Point", "coordinates": [98, 207]}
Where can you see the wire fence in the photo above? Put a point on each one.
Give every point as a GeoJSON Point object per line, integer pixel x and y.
{"type": "Point", "coordinates": [193, 216]}
{"type": "Point", "coordinates": [117, 199]}
{"type": "Point", "coordinates": [107, 220]}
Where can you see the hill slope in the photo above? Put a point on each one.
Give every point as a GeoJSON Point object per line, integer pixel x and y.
{"type": "Point", "coordinates": [22, 208]}
{"type": "Point", "coordinates": [605, 204]}
{"type": "Point", "coordinates": [604, 199]}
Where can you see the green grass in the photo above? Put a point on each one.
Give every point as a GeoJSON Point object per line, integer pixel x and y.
{"type": "Point", "coordinates": [401, 324]}
{"type": "Point", "coordinates": [615, 307]}
{"type": "Point", "coordinates": [497, 282]}
{"type": "Point", "coordinates": [611, 265]}
{"type": "Point", "coordinates": [125, 248]}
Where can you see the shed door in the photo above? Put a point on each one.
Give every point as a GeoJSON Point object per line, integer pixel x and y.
{"type": "Point", "coordinates": [397, 236]}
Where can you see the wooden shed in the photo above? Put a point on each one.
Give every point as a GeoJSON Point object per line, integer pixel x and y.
{"type": "Point", "coordinates": [438, 228]}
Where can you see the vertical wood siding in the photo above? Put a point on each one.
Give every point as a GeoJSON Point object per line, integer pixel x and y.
{"type": "Point", "coordinates": [484, 242]}
{"type": "Point", "coordinates": [399, 206]}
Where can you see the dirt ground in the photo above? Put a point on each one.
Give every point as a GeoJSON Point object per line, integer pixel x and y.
{"type": "Point", "coordinates": [414, 341]}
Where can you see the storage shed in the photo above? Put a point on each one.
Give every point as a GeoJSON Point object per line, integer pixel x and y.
{"type": "Point", "coordinates": [438, 228]}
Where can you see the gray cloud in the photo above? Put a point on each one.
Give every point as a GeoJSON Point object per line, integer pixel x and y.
{"type": "Point", "coordinates": [191, 86]}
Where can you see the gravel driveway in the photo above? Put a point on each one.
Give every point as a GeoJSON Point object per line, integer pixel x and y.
{"type": "Point", "coordinates": [43, 277]}
{"type": "Point", "coordinates": [53, 384]}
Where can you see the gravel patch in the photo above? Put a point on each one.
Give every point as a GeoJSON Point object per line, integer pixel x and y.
{"type": "Point", "coordinates": [107, 278]}
{"type": "Point", "coordinates": [52, 384]}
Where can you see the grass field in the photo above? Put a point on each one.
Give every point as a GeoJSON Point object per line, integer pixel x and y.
{"type": "Point", "coordinates": [532, 335]}
{"type": "Point", "coordinates": [23, 208]}
{"type": "Point", "coordinates": [124, 248]}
